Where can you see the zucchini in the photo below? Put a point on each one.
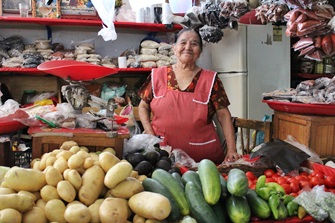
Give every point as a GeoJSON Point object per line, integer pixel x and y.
{"type": "Point", "coordinates": [201, 211]}
{"type": "Point", "coordinates": [238, 209]}
{"type": "Point", "coordinates": [174, 187]}
{"type": "Point", "coordinates": [259, 207]}
{"type": "Point", "coordinates": [178, 178]}
{"type": "Point", "coordinates": [223, 183]}
{"type": "Point", "coordinates": [210, 181]}
{"type": "Point", "coordinates": [237, 183]}
{"type": "Point", "coordinates": [153, 185]}
{"type": "Point", "coordinates": [192, 176]}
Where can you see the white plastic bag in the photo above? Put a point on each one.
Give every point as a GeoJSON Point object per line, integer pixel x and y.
{"type": "Point", "coordinates": [106, 11]}
{"type": "Point", "coordinates": [140, 142]}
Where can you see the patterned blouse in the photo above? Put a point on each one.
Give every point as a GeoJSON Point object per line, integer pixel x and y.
{"type": "Point", "coordinates": [218, 99]}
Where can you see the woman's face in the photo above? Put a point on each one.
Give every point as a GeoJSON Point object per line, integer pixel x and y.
{"type": "Point", "coordinates": [187, 48]}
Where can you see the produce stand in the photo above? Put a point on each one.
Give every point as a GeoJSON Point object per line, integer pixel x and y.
{"type": "Point", "coordinates": [47, 139]}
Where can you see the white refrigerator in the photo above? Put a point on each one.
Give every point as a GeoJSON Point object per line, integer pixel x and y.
{"type": "Point", "coordinates": [250, 61]}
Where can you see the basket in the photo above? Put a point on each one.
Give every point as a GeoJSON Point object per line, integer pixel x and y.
{"type": "Point", "coordinates": [300, 108]}
{"type": "Point", "coordinates": [22, 158]}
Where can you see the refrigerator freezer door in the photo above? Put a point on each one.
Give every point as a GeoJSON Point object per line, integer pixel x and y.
{"type": "Point", "coordinates": [235, 85]}
{"type": "Point", "coordinates": [230, 53]}
{"type": "Point", "coordinates": [268, 66]}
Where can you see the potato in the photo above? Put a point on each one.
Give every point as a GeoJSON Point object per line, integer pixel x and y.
{"type": "Point", "coordinates": [36, 215]}
{"type": "Point", "coordinates": [118, 173]}
{"type": "Point", "coordinates": [18, 178]}
{"type": "Point", "coordinates": [94, 209]}
{"type": "Point", "coordinates": [138, 219]}
{"type": "Point", "coordinates": [74, 178]}
{"type": "Point", "coordinates": [110, 149]}
{"type": "Point", "coordinates": [83, 153]}
{"type": "Point", "coordinates": [32, 195]}
{"type": "Point", "coordinates": [66, 191]}
{"type": "Point", "coordinates": [50, 161]}
{"type": "Point", "coordinates": [20, 202]}
{"type": "Point", "coordinates": [88, 162]}
{"type": "Point", "coordinates": [84, 148]}
{"type": "Point", "coordinates": [114, 210]}
{"type": "Point", "coordinates": [127, 188]}
{"type": "Point", "coordinates": [66, 154]}
{"type": "Point", "coordinates": [107, 160]}
{"type": "Point", "coordinates": [61, 164]}
{"type": "Point", "coordinates": [49, 192]}
{"type": "Point", "coordinates": [94, 156]}
{"type": "Point", "coordinates": [53, 176]}
{"type": "Point", "coordinates": [92, 185]}
{"type": "Point", "coordinates": [40, 203]}
{"type": "Point", "coordinates": [54, 211]}
{"type": "Point", "coordinates": [153, 221]}
{"type": "Point", "coordinates": [67, 145]}
{"type": "Point", "coordinates": [75, 161]}
{"type": "Point", "coordinates": [77, 213]}
{"type": "Point", "coordinates": [150, 205]}
{"type": "Point", "coordinates": [10, 215]}
{"type": "Point", "coordinates": [75, 149]}
{"type": "Point", "coordinates": [4, 190]}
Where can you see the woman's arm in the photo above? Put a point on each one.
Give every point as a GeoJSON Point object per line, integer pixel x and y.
{"type": "Point", "coordinates": [144, 112]}
{"type": "Point", "coordinates": [225, 120]}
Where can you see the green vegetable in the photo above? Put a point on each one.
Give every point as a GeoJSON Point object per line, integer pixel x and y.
{"type": "Point", "coordinates": [153, 185]}
{"type": "Point", "coordinates": [192, 176]}
{"type": "Point", "coordinates": [260, 182]}
{"type": "Point", "coordinates": [199, 208]}
{"type": "Point", "coordinates": [178, 178]}
{"type": "Point", "coordinates": [223, 183]}
{"type": "Point", "coordinates": [258, 206]}
{"type": "Point", "coordinates": [174, 187]}
{"type": "Point", "coordinates": [210, 181]}
{"type": "Point", "coordinates": [238, 209]}
{"type": "Point", "coordinates": [301, 212]}
{"type": "Point", "coordinates": [277, 187]}
{"type": "Point", "coordinates": [292, 208]}
{"type": "Point", "coordinates": [265, 192]}
{"type": "Point", "coordinates": [237, 183]}
{"type": "Point", "coordinates": [274, 202]}
{"type": "Point", "coordinates": [282, 211]}
{"type": "Point", "coordinates": [188, 219]}
{"type": "Point", "coordinates": [220, 211]}
{"type": "Point", "coordinates": [287, 198]}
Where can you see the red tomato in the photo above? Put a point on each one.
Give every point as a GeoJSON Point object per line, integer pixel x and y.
{"type": "Point", "coordinates": [302, 178]}
{"type": "Point", "coordinates": [293, 180]}
{"type": "Point", "coordinates": [304, 173]}
{"type": "Point", "coordinates": [287, 188]}
{"type": "Point", "coordinates": [317, 181]}
{"type": "Point", "coordinates": [269, 172]}
{"type": "Point", "coordinates": [294, 194]}
{"type": "Point", "coordinates": [305, 183]}
{"type": "Point", "coordinates": [320, 175]}
{"type": "Point", "coordinates": [270, 179]}
{"type": "Point", "coordinates": [330, 181]}
{"type": "Point", "coordinates": [281, 180]}
{"type": "Point", "coordinates": [294, 187]}
{"type": "Point", "coordinates": [250, 175]}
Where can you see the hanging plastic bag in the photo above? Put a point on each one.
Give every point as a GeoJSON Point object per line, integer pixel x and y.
{"type": "Point", "coordinates": [140, 142]}
{"type": "Point", "coordinates": [106, 11]}
{"type": "Point", "coordinates": [132, 125]}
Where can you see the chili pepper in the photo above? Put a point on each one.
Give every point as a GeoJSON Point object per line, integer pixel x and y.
{"type": "Point", "coordinates": [265, 192]}
{"type": "Point", "coordinates": [260, 182]}
{"type": "Point", "coordinates": [292, 208]}
{"type": "Point", "coordinates": [276, 186]}
{"type": "Point", "coordinates": [282, 211]}
{"type": "Point", "coordinates": [287, 198]}
{"type": "Point", "coordinates": [301, 212]}
{"type": "Point", "coordinates": [274, 202]}
{"type": "Point", "coordinates": [182, 168]}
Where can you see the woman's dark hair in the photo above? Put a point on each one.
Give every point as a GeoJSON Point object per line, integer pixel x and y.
{"type": "Point", "coordinates": [188, 30]}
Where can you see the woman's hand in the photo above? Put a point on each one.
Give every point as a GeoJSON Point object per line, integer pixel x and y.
{"type": "Point", "coordinates": [232, 156]}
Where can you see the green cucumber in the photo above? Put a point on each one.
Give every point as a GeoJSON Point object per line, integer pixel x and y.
{"type": "Point", "coordinates": [238, 209]}
{"type": "Point", "coordinates": [201, 211]}
{"type": "Point", "coordinates": [220, 211]}
{"type": "Point", "coordinates": [210, 181]}
{"type": "Point", "coordinates": [223, 183]}
{"type": "Point", "coordinates": [259, 207]}
{"type": "Point", "coordinates": [178, 178]}
{"type": "Point", "coordinates": [237, 183]}
{"type": "Point", "coordinates": [153, 185]}
{"type": "Point", "coordinates": [192, 176]}
{"type": "Point", "coordinates": [174, 187]}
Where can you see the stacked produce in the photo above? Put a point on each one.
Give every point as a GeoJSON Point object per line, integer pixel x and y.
{"type": "Point", "coordinates": [71, 184]}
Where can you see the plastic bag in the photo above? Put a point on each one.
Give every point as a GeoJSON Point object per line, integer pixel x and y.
{"type": "Point", "coordinates": [140, 142]}
{"type": "Point", "coordinates": [180, 157]}
{"type": "Point", "coordinates": [325, 200]}
{"type": "Point", "coordinates": [131, 124]}
{"type": "Point", "coordinates": [106, 11]}
{"type": "Point", "coordinates": [9, 107]}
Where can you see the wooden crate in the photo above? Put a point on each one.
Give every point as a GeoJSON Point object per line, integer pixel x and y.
{"type": "Point", "coordinates": [315, 132]}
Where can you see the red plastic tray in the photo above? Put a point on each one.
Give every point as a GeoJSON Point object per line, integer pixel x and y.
{"type": "Point", "coordinates": [300, 108]}
{"type": "Point", "coordinates": [10, 126]}
{"type": "Point", "coordinates": [75, 70]}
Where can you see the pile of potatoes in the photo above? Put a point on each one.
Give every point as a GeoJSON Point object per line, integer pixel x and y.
{"type": "Point", "coordinates": [73, 185]}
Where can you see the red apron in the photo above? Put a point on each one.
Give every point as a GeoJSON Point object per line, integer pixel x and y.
{"type": "Point", "coordinates": [180, 118]}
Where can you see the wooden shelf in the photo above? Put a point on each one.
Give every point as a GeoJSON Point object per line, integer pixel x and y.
{"type": "Point", "coordinates": [35, 71]}
{"type": "Point", "coordinates": [152, 27]}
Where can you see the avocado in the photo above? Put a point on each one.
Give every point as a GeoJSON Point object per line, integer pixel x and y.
{"type": "Point", "coordinates": [143, 168]}
{"type": "Point", "coordinates": [164, 153]}
{"type": "Point", "coordinates": [152, 157]}
{"type": "Point", "coordinates": [135, 158]}
{"type": "Point", "coordinates": [166, 158]}
{"type": "Point", "coordinates": [163, 164]}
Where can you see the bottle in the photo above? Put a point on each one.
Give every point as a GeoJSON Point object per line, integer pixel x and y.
{"type": "Point", "coordinates": [328, 66]}
{"type": "Point", "coordinates": [318, 67]}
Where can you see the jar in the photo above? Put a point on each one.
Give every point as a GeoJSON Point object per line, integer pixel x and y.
{"type": "Point", "coordinates": [318, 67]}
{"type": "Point", "coordinates": [328, 66]}
{"type": "Point", "coordinates": [27, 95]}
